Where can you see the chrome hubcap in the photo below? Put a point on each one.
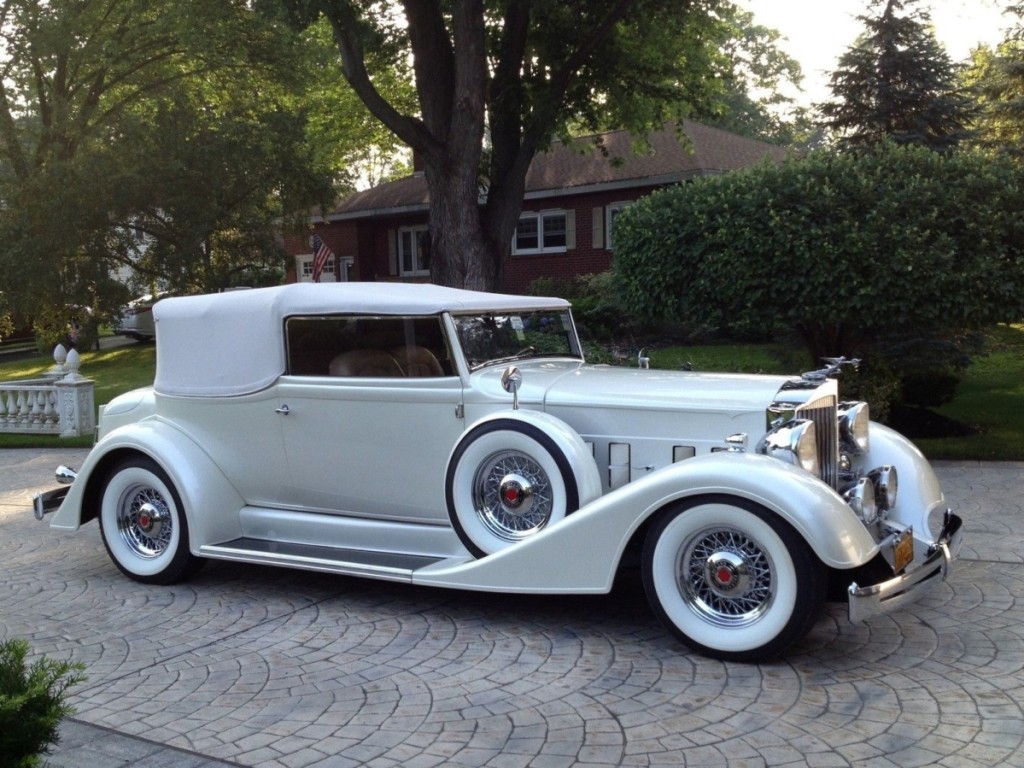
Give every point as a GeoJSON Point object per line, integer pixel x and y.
{"type": "Point", "coordinates": [516, 494]}
{"type": "Point", "coordinates": [144, 522]}
{"type": "Point", "coordinates": [725, 576]}
{"type": "Point", "coordinates": [512, 495]}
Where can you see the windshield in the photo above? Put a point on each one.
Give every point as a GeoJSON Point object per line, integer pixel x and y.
{"type": "Point", "coordinates": [493, 338]}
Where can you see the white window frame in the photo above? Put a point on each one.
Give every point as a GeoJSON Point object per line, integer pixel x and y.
{"type": "Point", "coordinates": [414, 233]}
{"type": "Point", "coordinates": [611, 211]}
{"type": "Point", "coordinates": [539, 218]}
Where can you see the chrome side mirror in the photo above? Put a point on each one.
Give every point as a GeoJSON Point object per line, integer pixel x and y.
{"type": "Point", "coordinates": [511, 380]}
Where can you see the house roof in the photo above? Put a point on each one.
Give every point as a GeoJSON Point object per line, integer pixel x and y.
{"type": "Point", "coordinates": [592, 164]}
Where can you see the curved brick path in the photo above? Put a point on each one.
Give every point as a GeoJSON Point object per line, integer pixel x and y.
{"type": "Point", "coordinates": [266, 667]}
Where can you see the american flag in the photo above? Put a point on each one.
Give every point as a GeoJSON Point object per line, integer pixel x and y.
{"type": "Point", "coordinates": [321, 254]}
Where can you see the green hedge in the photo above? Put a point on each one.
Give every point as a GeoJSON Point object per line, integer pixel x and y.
{"type": "Point", "coordinates": [860, 254]}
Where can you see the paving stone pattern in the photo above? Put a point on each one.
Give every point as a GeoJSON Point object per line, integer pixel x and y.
{"type": "Point", "coordinates": [272, 668]}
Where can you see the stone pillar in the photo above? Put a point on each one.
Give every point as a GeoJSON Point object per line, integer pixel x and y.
{"type": "Point", "coordinates": [76, 400]}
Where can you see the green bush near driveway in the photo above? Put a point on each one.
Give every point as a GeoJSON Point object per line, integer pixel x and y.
{"type": "Point", "coordinates": [32, 703]}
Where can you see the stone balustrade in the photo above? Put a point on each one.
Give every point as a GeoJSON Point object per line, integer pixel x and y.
{"type": "Point", "coordinates": [61, 402]}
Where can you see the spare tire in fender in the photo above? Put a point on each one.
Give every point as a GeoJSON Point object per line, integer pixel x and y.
{"type": "Point", "coordinates": [508, 479]}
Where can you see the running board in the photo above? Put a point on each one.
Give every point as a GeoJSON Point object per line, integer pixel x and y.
{"type": "Point", "coordinates": [351, 562]}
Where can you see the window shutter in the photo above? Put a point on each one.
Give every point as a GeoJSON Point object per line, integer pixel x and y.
{"type": "Point", "coordinates": [392, 252]}
{"type": "Point", "coordinates": [598, 228]}
{"type": "Point", "coordinates": [570, 229]}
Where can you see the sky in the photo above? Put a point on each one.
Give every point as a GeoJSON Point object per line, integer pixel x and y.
{"type": "Point", "coordinates": [819, 31]}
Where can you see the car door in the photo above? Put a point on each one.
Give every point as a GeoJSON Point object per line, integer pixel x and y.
{"type": "Point", "coordinates": [243, 436]}
{"type": "Point", "coordinates": [372, 437]}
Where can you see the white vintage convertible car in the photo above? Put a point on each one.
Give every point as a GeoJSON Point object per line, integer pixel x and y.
{"type": "Point", "coordinates": [458, 439]}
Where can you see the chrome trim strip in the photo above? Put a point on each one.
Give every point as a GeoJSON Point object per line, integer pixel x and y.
{"type": "Point", "coordinates": [907, 587]}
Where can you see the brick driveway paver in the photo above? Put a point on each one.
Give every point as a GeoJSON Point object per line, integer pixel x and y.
{"type": "Point", "coordinates": [284, 669]}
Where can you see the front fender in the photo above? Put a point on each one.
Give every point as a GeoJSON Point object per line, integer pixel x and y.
{"type": "Point", "coordinates": [211, 502]}
{"type": "Point", "coordinates": [582, 552]}
{"type": "Point", "coordinates": [579, 455]}
{"type": "Point", "coordinates": [920, 493]}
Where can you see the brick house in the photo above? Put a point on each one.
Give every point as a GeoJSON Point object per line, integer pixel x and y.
{"type": "Point", "coordinates": [573, 193]}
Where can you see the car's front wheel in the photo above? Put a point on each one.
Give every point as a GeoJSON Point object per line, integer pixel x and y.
{"type": "Point", "coordinates": [731, 579]}
{"type": "Point", "coordinates": [143, 523]}
{"type": "Point", "coordinates": [506, 482]}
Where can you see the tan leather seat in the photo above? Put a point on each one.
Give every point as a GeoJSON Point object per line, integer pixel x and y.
{"type": "Point", "coordinates": [365, 362]}
{"type": "Point", "coordinates": [417, 361]}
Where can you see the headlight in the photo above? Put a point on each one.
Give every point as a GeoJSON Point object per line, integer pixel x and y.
{"type": "Point", "coordinates": [860, 495]}
{"type": "Point", "coordinates": [794, 442]}
{"type": "Point", "coordinates": [854, 419]}
{"type": "Point", "coordinates": [886, 485]}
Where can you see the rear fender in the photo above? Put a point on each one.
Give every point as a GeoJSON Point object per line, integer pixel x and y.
{"type": "Point", "coordinates": [211, 502]}
{"type": "Point", "coordinates": [581, 553]}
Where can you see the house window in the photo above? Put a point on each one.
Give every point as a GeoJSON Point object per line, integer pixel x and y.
{"type": "Point", "coordinates": [304, 267]}
{"type": "Point", "coordinates": [414, 251]}
{"type": "Point", "coordinates": [613, 212]}
{"type": "Point", "coordinates": [545, 232]}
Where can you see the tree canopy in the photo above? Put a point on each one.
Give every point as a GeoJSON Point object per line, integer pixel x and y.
{"type": "Point", "coordinates": [896, 83]}
{"type": "Point", "coordinates": [178, 119]}
{"type": "Point", "coordinates": [995, 78]}
{"type": "Point", "coordinates": [498, 80]}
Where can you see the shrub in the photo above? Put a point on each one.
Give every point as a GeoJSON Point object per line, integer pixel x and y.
{"type": "Point", "coordinates": [596, 304]}
{"type": "Point", "coordinates": [31, 703]}
{"type": "Point", "coordinates": [64, 326]}
{"type": "Point", "coordinates": [851, 251]}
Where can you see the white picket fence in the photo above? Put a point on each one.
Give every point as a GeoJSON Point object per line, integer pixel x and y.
{"type": "Point", "coordinates": [61, 402]}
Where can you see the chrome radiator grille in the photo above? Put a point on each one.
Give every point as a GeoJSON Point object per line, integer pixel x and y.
{"type": "Point", "coordinates": [824, 413]}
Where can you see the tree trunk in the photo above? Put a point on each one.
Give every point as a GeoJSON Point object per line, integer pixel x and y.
{"type": "Point", "coordinates": [461, 254]}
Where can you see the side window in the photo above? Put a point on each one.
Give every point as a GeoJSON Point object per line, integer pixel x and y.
{"type": "Point", "coordinates": [414, 251]}
{"type": "Point", "coordinates": [544, 232]}
{"type": "Point", "coordinates": [367, 346]}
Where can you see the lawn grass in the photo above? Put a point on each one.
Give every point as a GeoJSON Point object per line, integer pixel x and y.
{"type": "Point", "coordinates": [114, 370]}
{"type": "Point", "coordinates": [736, 358]}
{"type": "Point", "coordinates": [991, 398]}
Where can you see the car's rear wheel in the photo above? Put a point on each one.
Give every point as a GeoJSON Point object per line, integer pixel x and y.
{"type": "Point", "coordinates": [507, 481]}
{"type": "Point", "coordinates": [731, 579]}
{"type": "Point", "coordinates": [143, 523]}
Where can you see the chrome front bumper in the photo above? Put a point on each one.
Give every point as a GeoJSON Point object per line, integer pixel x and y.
{"type": "Point", "coordinates": [49, 501]}
{"type": "Point", "coordinates": [909, 586]}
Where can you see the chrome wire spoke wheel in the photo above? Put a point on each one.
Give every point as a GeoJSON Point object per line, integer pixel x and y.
{"type": "Point", "coordinates": [144, 521]}
{"type": "Point", "coordinates": [507, 481]}
{"type": "Point", "coordinates": [730, 578]}
{"type": "Point", "coordinates": [726, 576]}
{"type": "Point", "coordinates": [512, 495]}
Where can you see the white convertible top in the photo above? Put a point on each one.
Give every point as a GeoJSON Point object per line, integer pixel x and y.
{"type": "Point", "coordinates": [232, 343]}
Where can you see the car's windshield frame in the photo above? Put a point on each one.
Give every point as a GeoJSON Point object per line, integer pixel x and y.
{"type": "Point", "coordinates": [498, 337]}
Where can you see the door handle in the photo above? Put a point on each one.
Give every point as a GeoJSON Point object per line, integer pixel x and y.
{"type": "Point", "coordinates": [284, 410]}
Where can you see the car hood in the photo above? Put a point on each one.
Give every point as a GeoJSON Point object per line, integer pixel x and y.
{"type": "Point", "coordinates": [560, 384]}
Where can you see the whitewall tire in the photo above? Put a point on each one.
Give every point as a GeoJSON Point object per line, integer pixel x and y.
{"type": "Point", "coordinates": [507, 481]}
{"type": "Point", "coordinates": [730, 579]}
{"type": "Point", "coordinates": [143, 523]}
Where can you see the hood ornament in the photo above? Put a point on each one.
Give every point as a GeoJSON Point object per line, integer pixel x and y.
{"type": "Point", "coordinates": [833, 368]}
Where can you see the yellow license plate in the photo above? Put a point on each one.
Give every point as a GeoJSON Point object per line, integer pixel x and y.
{"type": "Point", "coordinates": [903, 550]}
